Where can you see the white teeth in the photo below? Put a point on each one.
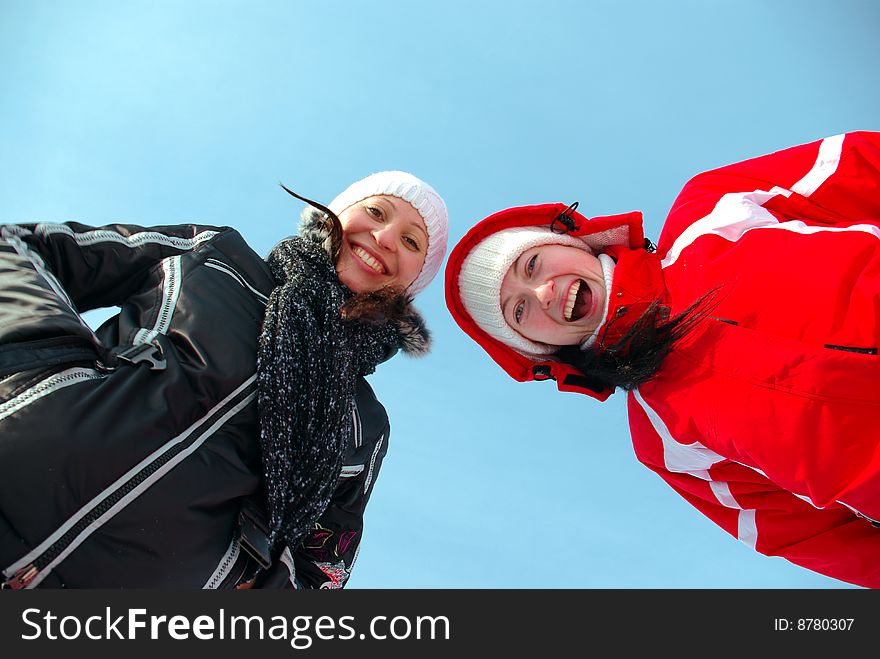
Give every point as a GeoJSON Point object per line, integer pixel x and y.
{"type": "Point", "coordinates": [369, 260]}
{"type": "Point", "coordinates": [572, 298]}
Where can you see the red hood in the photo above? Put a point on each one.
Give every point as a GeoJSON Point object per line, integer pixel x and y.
{"type": "Point", "coordinates": [624, 230]}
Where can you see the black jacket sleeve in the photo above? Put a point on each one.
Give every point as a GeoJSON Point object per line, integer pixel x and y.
{"type": "Point", "coordinates": [50, 273]}
{"type": "Point", "coordinates": [103, 266]}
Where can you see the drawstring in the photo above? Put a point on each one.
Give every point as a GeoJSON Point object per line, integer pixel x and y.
{"type": "Point", "coordinates": [565, 219]}
{"type": "Point", "coordinates": [567, 222]}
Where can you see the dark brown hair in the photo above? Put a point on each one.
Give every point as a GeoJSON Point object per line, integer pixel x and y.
{"type": "Point", "coordinates": [637, 356]}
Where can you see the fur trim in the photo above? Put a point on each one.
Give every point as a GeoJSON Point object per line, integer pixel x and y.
{"type": "Point", "coordinates": [413, 333]}
{"type": "Point", "coordinates": [415, 338]}
{"type": "Point", "coordinates": [314, 226]}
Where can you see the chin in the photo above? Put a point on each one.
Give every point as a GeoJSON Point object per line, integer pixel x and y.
{"type": "Point", "coordinates": [350, 283]}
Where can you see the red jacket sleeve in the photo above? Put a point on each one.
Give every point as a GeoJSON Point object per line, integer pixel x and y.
{"type": "Point", "coordinates": [834, 181]}
{"type": "Point", "coordinates": [831, 541]}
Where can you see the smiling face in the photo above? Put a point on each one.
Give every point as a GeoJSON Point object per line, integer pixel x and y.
{"type": "Point", "coordinates": [554, 294]}
{"type": "Point", "coordinates": [384, 243]}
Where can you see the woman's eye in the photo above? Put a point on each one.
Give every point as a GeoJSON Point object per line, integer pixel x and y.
{"type": "Point", "coordinates": [530, 266]}
{"type": "Point", "coordinates": [412, 242]}
{"type": "Point", "coordinates": [518, 312]}
{"type": "Point", "coordinates": [375, 212]}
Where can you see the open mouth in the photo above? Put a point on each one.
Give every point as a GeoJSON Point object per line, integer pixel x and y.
{"type": "Point", "coordinates": [578, 302]}
{"type": "Point", "coordinates": [371, 262]}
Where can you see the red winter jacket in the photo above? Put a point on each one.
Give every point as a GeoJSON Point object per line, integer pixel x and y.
{"type": "Point", "coordinates": [765, 418]}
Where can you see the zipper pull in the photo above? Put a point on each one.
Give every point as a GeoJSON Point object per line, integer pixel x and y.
{"type": "Point", "coordinates": [21, 579]}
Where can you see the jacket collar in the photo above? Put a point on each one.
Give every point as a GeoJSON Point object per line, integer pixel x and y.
{"type": "Point", "coordinates": [637, 282]}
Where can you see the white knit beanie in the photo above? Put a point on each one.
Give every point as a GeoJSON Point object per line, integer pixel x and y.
{"type": "Point", "coordinates": [482, 271]}
{"type": "Point", "coordinates": [420, 196]}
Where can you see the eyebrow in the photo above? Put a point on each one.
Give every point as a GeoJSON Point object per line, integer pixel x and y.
{"type": "Point", "coordinates": [515, 266]}
{"type": "Point", "coordinates": [418, 226]}
{"type": "Point", "coordinates": [414, 223]}
{"type": "Point", "coordinates": [505, 303]}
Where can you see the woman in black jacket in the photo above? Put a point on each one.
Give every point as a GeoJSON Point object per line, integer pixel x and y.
{"type": "Point", "coordinates": [218, 431]}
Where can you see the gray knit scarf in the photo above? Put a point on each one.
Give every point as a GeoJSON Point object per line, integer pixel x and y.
{"type": "Point", "coordinates": [308, 362]}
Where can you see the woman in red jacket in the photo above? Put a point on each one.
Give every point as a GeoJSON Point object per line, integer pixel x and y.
{"type": "Point", "coordinates": [747, 343]}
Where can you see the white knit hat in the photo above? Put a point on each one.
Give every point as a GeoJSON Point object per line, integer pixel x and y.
{"type": "Point", "coordinates": [420, 196]}
{"type": "Point", "coordinates": [482, 271]}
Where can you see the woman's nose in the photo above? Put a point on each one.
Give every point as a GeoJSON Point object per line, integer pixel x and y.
{"type": "Point", "coordinates": [546, 293]}
{"type": "Point", "coordinates": [385, 237]}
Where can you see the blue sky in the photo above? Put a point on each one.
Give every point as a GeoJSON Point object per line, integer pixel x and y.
{"type": "Point", "coordinates": [192, 111]}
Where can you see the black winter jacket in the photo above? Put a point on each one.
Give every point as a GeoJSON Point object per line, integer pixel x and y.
{"type": "Point", "coordinates": [129, 457]}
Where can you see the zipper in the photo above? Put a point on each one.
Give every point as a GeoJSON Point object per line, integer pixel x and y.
{"type": "Point", "coordinates": [134, 240]}
{"type": "Point", "coordinates": [829, 346]}
{"type": "Point", "coordinates": [236, 581]}
{"type": "Point", "coordinates": [46, 387]}
{"type": "Point", "coordinates": [25, 576]}
{"type": "Point", "coordinates": [861, 351]}
{"type": "Point", "coordinates": [173, 274]}
{"type": "Point", "coordinates": [228, 562]}
{"type": "Point", "coordinates": [170, 292]}
{"type": "Point", "coordinates": [21, 579]}
{"type": "Point", "coordinates": [373, 463]}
